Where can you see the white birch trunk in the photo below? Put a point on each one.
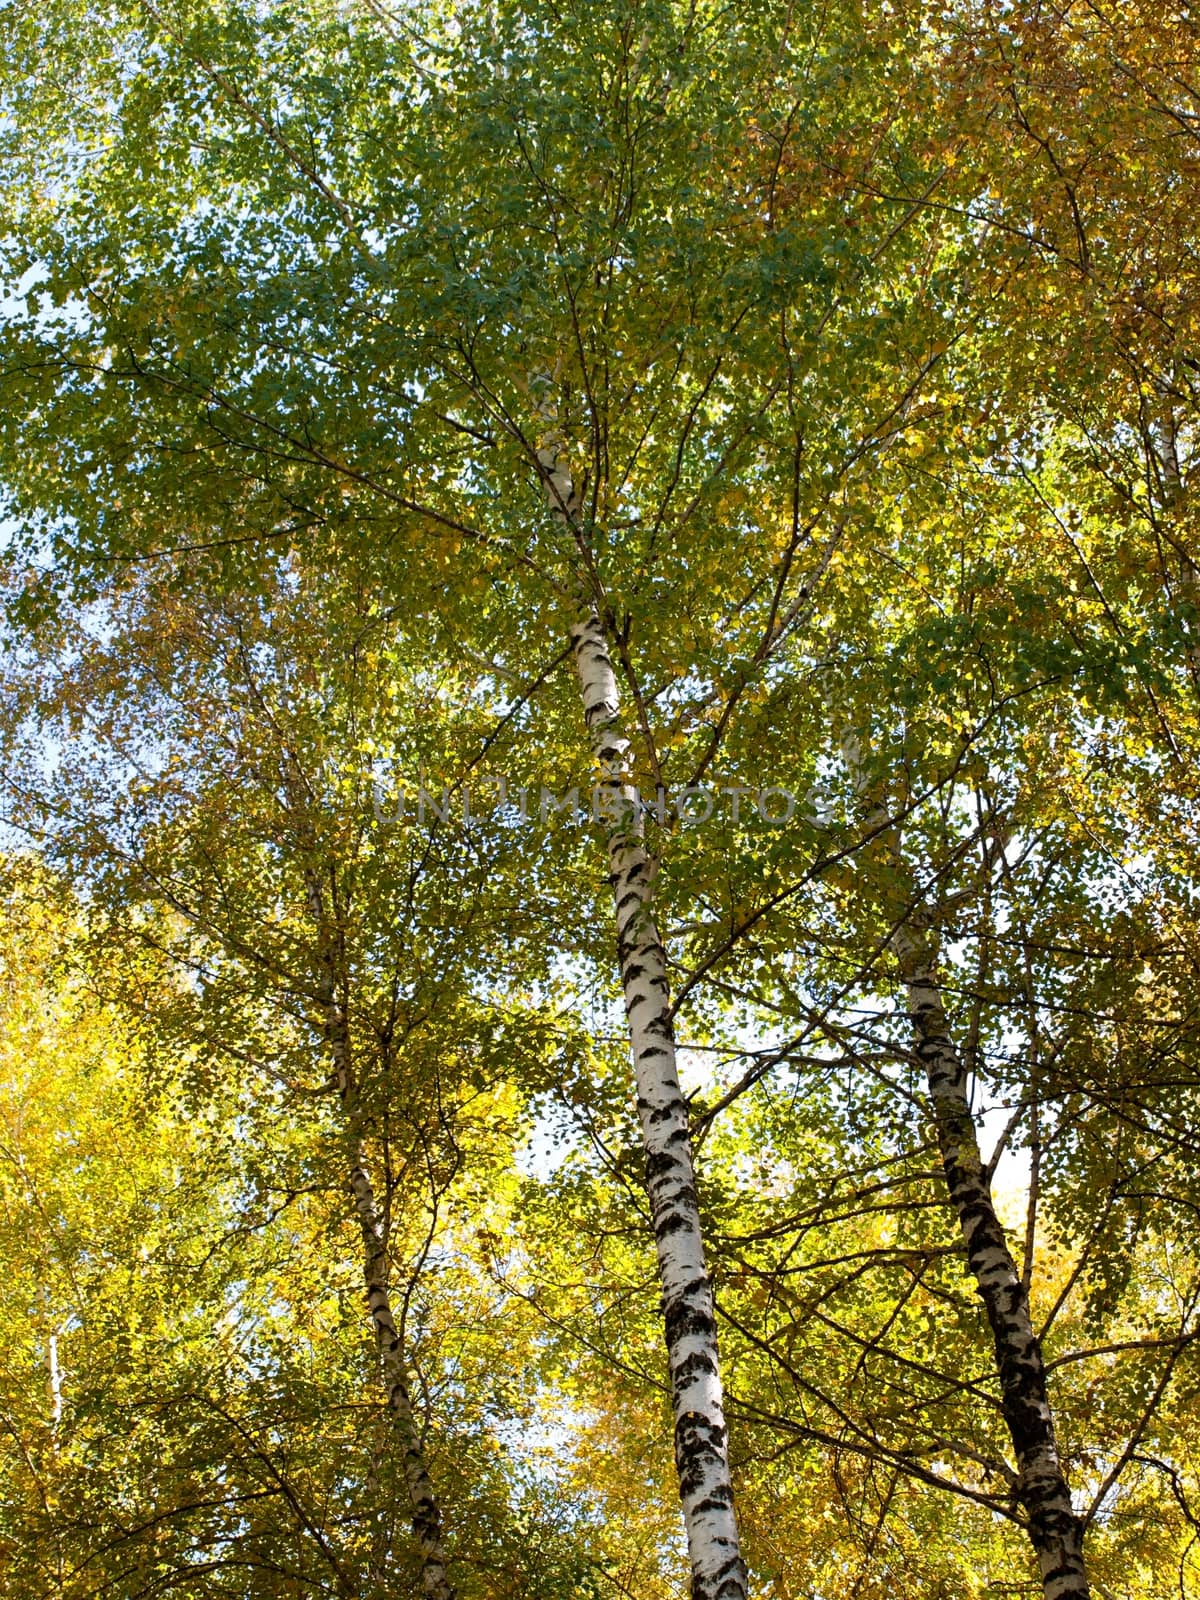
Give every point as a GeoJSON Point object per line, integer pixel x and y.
{"type": "Point", "coordinates": [701, 1449]}
{"type": "Point", "coordinates": [54, 1380]}
{"type": "Point", "coordinates": [1054, 1528]}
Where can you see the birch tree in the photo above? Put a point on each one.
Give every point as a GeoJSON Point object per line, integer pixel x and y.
{"type": "Point", "coordinates": [777, 319]}
{"type": "Point", "coordinates": [278, 886]}
{"type": "Point", "coordinates": [461, 362]}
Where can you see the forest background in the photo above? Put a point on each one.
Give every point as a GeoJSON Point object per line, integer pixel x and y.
{"type": "Point", "coordinates": [772, 427]}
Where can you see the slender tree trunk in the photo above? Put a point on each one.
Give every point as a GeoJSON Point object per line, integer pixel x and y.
{"type": "Point", "coordinates": [701, 1447]}
{"type": "Point", "coordinates": [1055, 1530]}
{"type": "Point", "coordinates": [426, 1513]}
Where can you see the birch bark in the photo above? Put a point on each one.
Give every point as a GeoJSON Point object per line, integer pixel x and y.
{"type": "Point", "coordinates": [1055, 1531]}
{"type": "Point", "coordinates": [701, 1445]}
{"type": "Point", "coordinates": [1054, 1528]}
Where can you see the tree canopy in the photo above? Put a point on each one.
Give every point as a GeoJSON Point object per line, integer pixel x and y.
{"type": "Point", "coordinates": [600, 717]}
